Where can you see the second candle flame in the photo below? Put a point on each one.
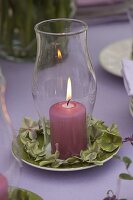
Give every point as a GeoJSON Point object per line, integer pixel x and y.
{"type": "Point", "coordinates": [69, 90]}
{"type": "Point", "coordinates": [59, 54]}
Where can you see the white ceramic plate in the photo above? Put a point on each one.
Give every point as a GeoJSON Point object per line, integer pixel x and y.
{"type": "Point", "coordinates": [111, 56]}
{"type": "Point", "coordinates": [65, 169]}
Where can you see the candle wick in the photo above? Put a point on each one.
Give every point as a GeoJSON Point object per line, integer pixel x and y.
{"type": "Point", "coordinates": [68, 101]}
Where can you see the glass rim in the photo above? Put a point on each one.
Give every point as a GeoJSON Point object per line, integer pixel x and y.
{"type": "Point", "coordinates": [83, 29]}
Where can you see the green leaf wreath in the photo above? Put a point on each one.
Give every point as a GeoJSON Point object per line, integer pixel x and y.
{"type": "Point", "coordinates": [103, 143]}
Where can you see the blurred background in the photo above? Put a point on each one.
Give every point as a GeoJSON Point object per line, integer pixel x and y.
{"type": "Point", "coordinates": [100, 11]}
{"type": "Point", "coordinates": [17, 20]}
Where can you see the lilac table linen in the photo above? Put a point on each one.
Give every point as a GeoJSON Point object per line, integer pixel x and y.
{"type": "Point", "coordinates": [111, 106]}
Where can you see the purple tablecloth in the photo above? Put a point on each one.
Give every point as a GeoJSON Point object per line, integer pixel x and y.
{"type": "Point", "coordinates": [111, 106]}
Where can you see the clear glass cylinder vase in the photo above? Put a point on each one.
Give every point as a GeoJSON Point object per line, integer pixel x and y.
{"type": "Point", "coordinates": [64, 85]}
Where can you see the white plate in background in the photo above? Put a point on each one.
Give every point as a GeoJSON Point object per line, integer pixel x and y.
{"type": "Point", "coordinates": [110, 57]}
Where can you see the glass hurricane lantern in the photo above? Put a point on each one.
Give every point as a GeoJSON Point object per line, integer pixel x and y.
{"type": "Point", "coordinates": [64, 85]}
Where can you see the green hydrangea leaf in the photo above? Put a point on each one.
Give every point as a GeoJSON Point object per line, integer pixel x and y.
{"type": "Point", "coordinates": [127, 161]}
{"type": "Point", "coordinates": [91, 157]}
{"type": "Point", "coordinates": [29, 123]}
{"type": "Point", "coordinates": [73, 160]}
{"type": "Point", "coordinates": [109, 142]}
{"type": "Point", "coordinates": [95, 128]}
{"type": "Point", "coordinates": [87, 156]}
{"type": "Point", "coordinates": [125, 176]}
{"type": "Point", "coordinates": [15, 193]}
{"type": "Point", "coordinates": [99, 163]}
{"type": "Point", "coordinates": [113, 130]}
{"type": "Point", "coordinates": [46, 162]}
{"type": "Point", "coordinates": [56, 164]}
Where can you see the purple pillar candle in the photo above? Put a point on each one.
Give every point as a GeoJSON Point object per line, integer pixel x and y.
{"type": "Point", "coordinates": [68, 128]}
{"type": "Point", "coordinates": [3, 188]}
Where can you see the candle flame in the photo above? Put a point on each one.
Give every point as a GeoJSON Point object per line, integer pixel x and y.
{"type": "Point", "coordinates": [59, 54]}
{"type": "Point", "coordinates": [69, 90]}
